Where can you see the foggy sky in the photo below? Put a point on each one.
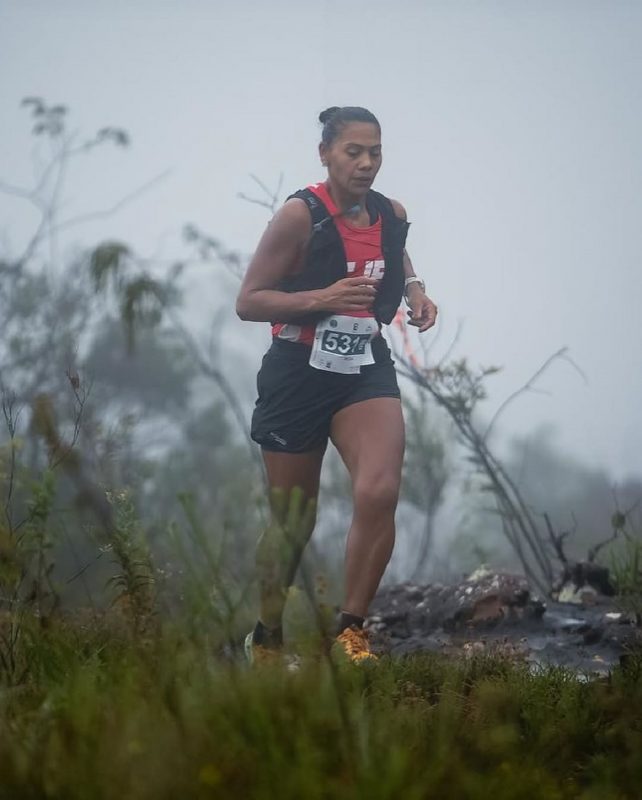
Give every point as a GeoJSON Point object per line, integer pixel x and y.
{"type": "Point", "coordinates": [512, 133]}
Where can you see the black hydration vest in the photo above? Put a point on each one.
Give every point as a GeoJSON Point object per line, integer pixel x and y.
{"type": "Point", "coordinates": [326, 261]}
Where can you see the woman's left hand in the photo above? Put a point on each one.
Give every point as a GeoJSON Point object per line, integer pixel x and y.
{"type": "Point", "coordinates": [422, 312]}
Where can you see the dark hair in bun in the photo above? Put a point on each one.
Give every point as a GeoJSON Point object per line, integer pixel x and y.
{"type": "Point", "coordinates": [324, 116]}
{"type": "Point", "coordinates": [334, 119]}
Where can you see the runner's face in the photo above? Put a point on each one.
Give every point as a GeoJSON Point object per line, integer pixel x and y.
{"type": "Point", "coordinates": [354, 158]}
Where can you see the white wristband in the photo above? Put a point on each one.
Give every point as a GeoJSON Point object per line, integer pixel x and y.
{"type": "Point", "coordinates": [414, 279]}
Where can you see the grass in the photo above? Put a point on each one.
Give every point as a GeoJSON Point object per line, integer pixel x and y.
{"type": "Point", "coordinates": [105, 715]}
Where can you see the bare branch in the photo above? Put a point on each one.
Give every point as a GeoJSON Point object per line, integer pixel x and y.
{"type": "Point", "coordinates": [457, 390]}
{"type": "Point", "coordinates": [557, 540]}
{"type": "Point", "coordinates": [453, 344]}
{"type": "Point", "coordinates": [618, 524]}
{"type": "Point", "coordinates": [18, 192]}
{"type": "Point", "coordinates": [219, 378]}
{"type": "Point", "coordinates": [47, 209]}
{"type": "Point", "coordinates": [11, 418]}
{"type": "Point", "coordinates": [578, 369]}
{"type": "Point", "coordinates": [262, 203]}
{"type": "Point", "coordinates": [527, 386]}
{"type": "Point", "coordinates": [260, 183]}
{"type": "Point", "coordinates": [79, 573]}
{"type": "Point", "coordinates": [117, 207]}
{"type": "Point", "coordinates": [81, 394]}
{"type": "Point", "coordinates": [592, 553]}
{"type": "Point", "coordinates": [273, 197]}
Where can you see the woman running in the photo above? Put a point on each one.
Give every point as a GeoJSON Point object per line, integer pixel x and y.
{"type": "Point", "coordinates": [330, 269]}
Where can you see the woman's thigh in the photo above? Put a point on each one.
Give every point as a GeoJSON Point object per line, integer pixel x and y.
{"type": "Point", "coordinates": [285, 471]}
{"type": "Point", "coordinates": [370, 436]}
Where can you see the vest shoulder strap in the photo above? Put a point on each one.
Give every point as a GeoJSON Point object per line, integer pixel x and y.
{"type": "Point", "coordinates": [382, 204]}
{"type": "Point", "coordinates": [318, 212]}
{"type": "Point", "coordinates": [321, 216]}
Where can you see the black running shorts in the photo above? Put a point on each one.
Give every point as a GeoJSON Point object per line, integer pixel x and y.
{"type": "Point", "coordinates": [296, 402]}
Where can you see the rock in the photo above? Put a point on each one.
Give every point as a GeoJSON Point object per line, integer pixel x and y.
{"type": "Point", "coordinates": [569, 594]}
{"type": "Point", "coordinates": [484, 599]}
{"type": "Point", "coordinates": [584, 596]}
{"type": "Point", "coordinates": [593, 635]}
{"type": "Point", "coordinates": [491, 598]}
{"type": "Point", "coordinates": [581, 577]}
{"type": "Point", "coordinates": [499, 610]}
{"type": "Point", "coordinates": [482, 571]}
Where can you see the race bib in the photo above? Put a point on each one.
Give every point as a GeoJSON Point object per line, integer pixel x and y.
{"type": "Point", "coordinates": [342, 343]}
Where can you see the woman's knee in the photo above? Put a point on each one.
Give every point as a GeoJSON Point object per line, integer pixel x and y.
{"type": "Point", "coordinates": [294, 509]}
{"type": "Point", "coordinates": [376, 495]}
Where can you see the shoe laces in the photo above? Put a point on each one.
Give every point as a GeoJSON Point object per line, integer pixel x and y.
{"type": "Point", "coordinates": [355, 642]}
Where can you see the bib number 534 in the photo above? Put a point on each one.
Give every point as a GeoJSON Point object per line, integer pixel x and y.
{"type": "Point", "coordinates": [344, 343]}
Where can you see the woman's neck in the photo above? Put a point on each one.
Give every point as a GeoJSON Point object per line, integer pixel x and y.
{"type": "Point", "coordinates": [344, 201]}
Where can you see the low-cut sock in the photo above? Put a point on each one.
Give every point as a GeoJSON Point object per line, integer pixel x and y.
{"type": "Point", "coordinates": [348, 620]}
{"type": "Point", "coordinates": [272, 638]}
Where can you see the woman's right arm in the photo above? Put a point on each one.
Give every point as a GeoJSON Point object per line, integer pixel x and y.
{"type": "Point", "coordinates": [281, 247]}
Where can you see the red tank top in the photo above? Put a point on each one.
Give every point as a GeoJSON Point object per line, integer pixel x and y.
{"type": "Point", "coordinates": [363, 256]}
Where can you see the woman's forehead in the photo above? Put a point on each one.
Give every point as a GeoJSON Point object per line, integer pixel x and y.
{"type": "Point", "coordinates": [365, 134]}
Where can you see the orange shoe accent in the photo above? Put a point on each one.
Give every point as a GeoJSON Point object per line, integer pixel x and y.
{"type": "Point", "coordinates": [265, 655]}
{"type": "Point", "coordinates": [354, 643]}
{"type": "Point", "coordinates": [259, 656]}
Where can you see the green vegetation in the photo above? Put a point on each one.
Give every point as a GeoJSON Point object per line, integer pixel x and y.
{"type": "Point", "coordinates": [105, 714]}
{"type": "Point", "coordinates": [130, 506]}
{"type": "Point", "coordinates": [626, 568]}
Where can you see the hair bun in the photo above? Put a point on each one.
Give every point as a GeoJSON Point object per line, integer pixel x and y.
{"type": "Point", "coordinates": [324, 116]}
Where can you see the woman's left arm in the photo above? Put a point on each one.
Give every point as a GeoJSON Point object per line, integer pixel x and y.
{"type": "Point", "coordinates": [422, 312]}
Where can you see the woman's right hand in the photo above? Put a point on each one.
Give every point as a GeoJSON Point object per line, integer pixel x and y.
{"type": "Point", "coordinates": [349, 294]}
